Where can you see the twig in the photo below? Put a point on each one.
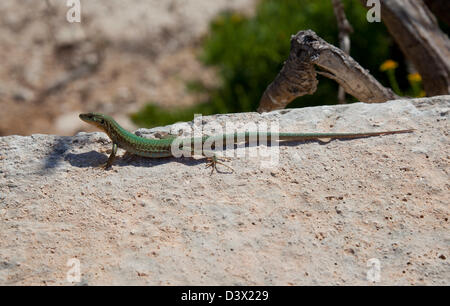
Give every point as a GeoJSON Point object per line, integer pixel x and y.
{"type": "Point", "coordinates": [298, 75]}
{"type": "Point", "coordinates": [345, 29]}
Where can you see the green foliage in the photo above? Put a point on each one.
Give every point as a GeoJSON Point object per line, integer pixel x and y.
{"type": "Point", "coordinates": [153, 115]}
{"type": "Point", "coordinates": [249, 53]}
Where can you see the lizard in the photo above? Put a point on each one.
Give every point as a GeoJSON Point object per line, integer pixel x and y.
{"type": "Point", "coordinates": [160, 148]}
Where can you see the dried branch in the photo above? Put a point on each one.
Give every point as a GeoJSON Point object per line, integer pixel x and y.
{"type": "Point", "coordinates": [416, 31]}
{"type": "Point", "coordinates": [345, 29]}
{"type": "Point", "coordinates": [298, 75]}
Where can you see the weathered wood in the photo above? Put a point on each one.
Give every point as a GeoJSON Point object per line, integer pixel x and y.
{"type": "Point", "coordinates": [298, 75]}
{"type": "Point", "coordinates": [345, 29]}
{"type": "Point", "coordinates": [416, 31]}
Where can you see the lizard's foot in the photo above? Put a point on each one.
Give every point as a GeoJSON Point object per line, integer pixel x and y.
{"type": "Point", "coordinates": [111, 157]}
{"type": "Point", "coordinates": [214, 160]}
{"type": "Point", "coordinates": [107, 164]}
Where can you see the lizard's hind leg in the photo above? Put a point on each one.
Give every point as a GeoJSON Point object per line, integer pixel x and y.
{"type": "Point", "coordinates": [214, 160]}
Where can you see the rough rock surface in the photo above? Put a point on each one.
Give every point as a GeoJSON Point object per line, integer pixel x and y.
{"type": "Point", "coordinates": [320, 216]}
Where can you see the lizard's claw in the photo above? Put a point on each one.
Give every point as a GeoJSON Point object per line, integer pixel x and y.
{"type": "Point", "coordinates": [214, 160]}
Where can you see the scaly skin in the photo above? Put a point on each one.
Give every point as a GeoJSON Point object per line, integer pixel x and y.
{"type": "Point", "coordinates": [159, 148]}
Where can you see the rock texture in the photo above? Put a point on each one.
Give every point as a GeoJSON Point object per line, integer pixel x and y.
{"type": "Point", "coordinates": [320, 216]}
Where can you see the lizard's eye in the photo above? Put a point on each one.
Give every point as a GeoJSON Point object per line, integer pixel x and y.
{"type": "Point", "coordinates": [102, 121]}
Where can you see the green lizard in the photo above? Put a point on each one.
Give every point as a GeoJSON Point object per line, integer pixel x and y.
{"type": "Point", "coordinates": [159, 148]}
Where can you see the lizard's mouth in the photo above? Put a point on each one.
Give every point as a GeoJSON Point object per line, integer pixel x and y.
{"type": "Point", "coordinates": [86, 118]}
{"type": "Point", "coordinates": [90, 118]}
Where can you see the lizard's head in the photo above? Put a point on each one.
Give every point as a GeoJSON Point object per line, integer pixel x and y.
{"type": "Point", "coordinates": [99, 120]}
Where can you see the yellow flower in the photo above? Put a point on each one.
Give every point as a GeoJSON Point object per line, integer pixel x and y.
{"type": "Point", "coordinates": [388, 65]}
{"type": "Point", "coordinates": [414, 77]}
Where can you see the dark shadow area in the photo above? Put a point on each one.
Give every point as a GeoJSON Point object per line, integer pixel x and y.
{"type": "Point", "coordinates": [59, 147]}
{"type": "Point", "coordinates": [86, 160]}
{"type": "Point", "coordinates": [95, 159]}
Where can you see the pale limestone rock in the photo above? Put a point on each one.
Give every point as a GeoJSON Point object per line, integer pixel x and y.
{"type": "Point", "coordinates": [320, 216]}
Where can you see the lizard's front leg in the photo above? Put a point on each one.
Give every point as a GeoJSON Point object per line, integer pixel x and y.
{"type": "Point", "coordinates": [111, 157]}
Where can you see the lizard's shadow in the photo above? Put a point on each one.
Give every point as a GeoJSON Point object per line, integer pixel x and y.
{"type": "Point", "coordinates": [95, 159]}
{"type": "Point", "coordinates": [86, 160]}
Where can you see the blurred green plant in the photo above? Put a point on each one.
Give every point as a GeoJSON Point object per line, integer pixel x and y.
{"type": "Point", "coordinates": [250, 51]}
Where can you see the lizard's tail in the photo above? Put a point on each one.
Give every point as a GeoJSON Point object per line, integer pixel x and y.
{"type": "Point", "coordinates": [314, 136]}
{"type": "Point", "coordinates": [255, 136]}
